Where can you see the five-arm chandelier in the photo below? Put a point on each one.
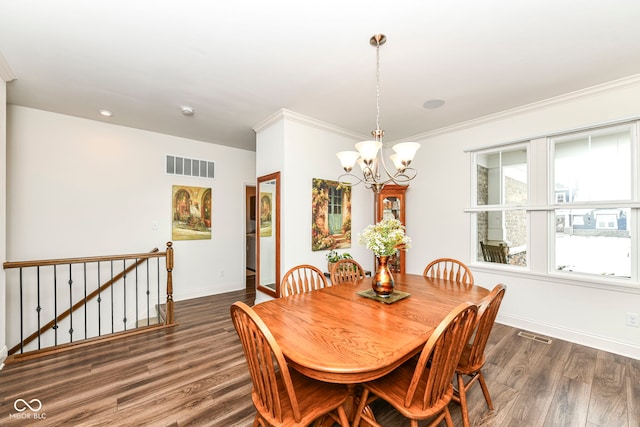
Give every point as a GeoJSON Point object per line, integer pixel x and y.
{"type": "Point", "coordinates": [369, 156]}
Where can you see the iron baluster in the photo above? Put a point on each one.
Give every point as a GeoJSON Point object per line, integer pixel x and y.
{"type": "Point", "coordinates": [21, 316]}
{"type": "Point", "coordinates": [124, 293]}
{"type": "Point", "coordinates": [55, 305]}
{"type": "Point", "coordinates": [70, 305]}
{"type": "Point", "coordinates": [99, 303]}
{"type": "Point", "coordinates": [84, 267]}
{"type": "Point", "coordinates": [38, 308]}
{"type": "Point", "coordinates": [112, 313]}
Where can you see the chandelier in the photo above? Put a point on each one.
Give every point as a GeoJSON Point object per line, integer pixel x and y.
{"type": "Point", "coordinates": [375, 174]}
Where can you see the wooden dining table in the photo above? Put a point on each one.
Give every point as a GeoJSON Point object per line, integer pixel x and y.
{"type": "Point", "coordinates": [336, 335]}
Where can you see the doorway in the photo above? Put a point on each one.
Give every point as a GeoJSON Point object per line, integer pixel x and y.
{"type": "Point", "coordinates": [250, 237]}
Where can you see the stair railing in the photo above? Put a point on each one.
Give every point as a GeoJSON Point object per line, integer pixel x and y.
{"type": "Point", "coordinates": [37, 289]}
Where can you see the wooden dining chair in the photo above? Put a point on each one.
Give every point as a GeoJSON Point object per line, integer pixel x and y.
{"type": "Point", "coordinates": [494, 253]}
{"type": "Point", "coordinates": [472, 359]}
{"type": "Point", "coordinates": [449, 269]}
{"type": "Point", "coordinates": [346, 270]}
{"type": "Point", "coordinates": [421, 389]}
{"type": "Point", "coordinates": [302, 278]}
{"type": "Point", "coordinates": [282, 397]}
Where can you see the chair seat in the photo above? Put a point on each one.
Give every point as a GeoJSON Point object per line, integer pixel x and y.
{"type": "Point", "coordinates": [314, 397]}
{"type": "Point", "coordinates": [464, 367]}
{"type": "Point", "coordinates": [393, 387]}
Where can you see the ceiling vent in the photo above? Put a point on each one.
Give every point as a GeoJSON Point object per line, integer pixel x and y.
{"type": "Point", "coordinates": [190, 167]}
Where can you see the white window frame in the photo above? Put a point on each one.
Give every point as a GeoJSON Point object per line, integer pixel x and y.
{"type": "Point", "coordinates": [633, 203]}
{"type": "Point", "coordinates": [501, 207]}
{"type": "Point", "coordinates": [541, 207]}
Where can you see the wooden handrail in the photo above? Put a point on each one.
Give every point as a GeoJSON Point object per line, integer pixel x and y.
{"type": "Point", "coordinates": [80, 303]}
{"type": "Point", "coordinates": [140, 259]}
{"type": "Point", "coordinates": [23, 264]}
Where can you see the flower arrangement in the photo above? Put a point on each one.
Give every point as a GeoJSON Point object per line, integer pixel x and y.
{"type": "Point", "coordinates": [385, 237]}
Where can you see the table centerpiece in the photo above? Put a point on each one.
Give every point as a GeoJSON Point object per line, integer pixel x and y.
{"type": "Point", "coordinates": [384, 238]}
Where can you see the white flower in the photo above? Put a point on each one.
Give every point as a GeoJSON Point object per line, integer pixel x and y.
{"type": "Point", "coordinates": [385, 237]}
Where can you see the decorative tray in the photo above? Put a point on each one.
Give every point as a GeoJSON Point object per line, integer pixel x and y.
{"type": "Point", "coordinates": [395, 296]}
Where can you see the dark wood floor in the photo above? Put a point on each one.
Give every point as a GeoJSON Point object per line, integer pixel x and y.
{"type": "Point", "coordinates": [195, 374]}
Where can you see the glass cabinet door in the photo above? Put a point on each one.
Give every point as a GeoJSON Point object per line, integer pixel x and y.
{"type": "Point", "coordinates": [390, 203]}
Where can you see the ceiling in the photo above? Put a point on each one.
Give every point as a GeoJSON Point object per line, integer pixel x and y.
{"type": "Point", "coordinates": [238, 62]}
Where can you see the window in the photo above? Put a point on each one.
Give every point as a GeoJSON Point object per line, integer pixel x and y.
{"type": "Point", "coordinates": [501, 192]}
{"type": "Point", "coordinates": [593, 170]}
{"type": "Point", "coordinates": [565, 205]}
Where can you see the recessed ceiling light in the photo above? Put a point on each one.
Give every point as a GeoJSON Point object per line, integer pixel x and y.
{"type": "Point", "coordinates": [186, 110]}
{"type": "Point", "coordinates": [433, 104]}
{"type": "Point", "coordinates": [105, 113]}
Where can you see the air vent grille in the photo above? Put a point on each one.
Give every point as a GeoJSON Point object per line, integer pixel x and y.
{"type": "Point", "coordinates": [176, 165]}
{"type": "Point", "coordinates": [534, 337]}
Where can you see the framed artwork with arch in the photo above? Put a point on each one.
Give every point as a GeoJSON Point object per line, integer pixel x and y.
{"type": "Point", "coordinates": [191, 211]}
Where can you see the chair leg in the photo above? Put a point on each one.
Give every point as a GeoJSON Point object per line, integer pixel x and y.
{"type": "Point", "coordinates": [462, 394]}
{"type": "Point", "coordinates": [360, 408]}
{"type": "Point", "coordinates": [485, 390]}
{"type": "Point", "coordinates": [447, 417]}
{"type": "Point", "coordinates": [344, 421]}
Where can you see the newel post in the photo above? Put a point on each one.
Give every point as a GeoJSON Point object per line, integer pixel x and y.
{"type": "Point", "coordinates": [170, 319]}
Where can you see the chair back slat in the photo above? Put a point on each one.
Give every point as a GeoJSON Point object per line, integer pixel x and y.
{"type": "Point", "coordinates": [302, 278]}
{"type": "Point", "coordinates": [487, 313]}
{"type": "Point", "coordinates": [449, 269]}
{"type": "Point", "coordinates": [440, 355]}
{"type": "Point", "coordinates": [346, 270]}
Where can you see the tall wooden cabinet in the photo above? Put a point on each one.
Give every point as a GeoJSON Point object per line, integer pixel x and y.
{"type": "Point", "coordinates": [390, 203]}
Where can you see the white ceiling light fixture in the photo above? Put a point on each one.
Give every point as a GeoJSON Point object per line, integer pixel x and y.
{"type": "Point", "coordinates": [187, 110]}
{"type": "Point", "coordinates": [105, 113]}
{"type": "Point", "coordinates": [375, 174]}
{"type": "Point", "coordinates": [432, 104]}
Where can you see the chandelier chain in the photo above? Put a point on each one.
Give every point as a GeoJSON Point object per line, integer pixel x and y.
{"type": "Point", "coordinates": [378, 85]}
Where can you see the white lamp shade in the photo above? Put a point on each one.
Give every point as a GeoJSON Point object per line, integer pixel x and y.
{"type": "Point", "coordinates": [368, 149]}
{"type": "Point", "coordinates": [348, 158]}
{"type": "Point", "coordinates": [397, 161]}
{"type": "Point", "coordinates": [406, 150]}
{"type": "Point", "coordinates": [363, 166]}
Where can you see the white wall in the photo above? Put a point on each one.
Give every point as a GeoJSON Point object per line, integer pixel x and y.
{"type": "Point", "coordinates": [3, 223]}
{"type": "Point", "coordinates": [79, 187]}
{"type": "Point", "coordinates": [436, 221]}
{"type": "Point", "coordinates": [302, 148]}
{"type": "Point", "coordinates": [311, 153]}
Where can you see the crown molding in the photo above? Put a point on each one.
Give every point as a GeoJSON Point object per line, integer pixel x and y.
{"type": "Point", "coordinates": [6, 73]}
{"type": "Point", "coordinates": [593, 90]}
{"type": "Point", "coordinates": [284, 114]}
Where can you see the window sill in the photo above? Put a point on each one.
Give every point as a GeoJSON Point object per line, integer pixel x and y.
{"type": "Point", "coordinates": [614, 285]}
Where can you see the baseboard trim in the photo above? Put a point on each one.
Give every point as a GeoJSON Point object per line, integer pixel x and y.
{"type": "Point", "coordinates": [577, 337]}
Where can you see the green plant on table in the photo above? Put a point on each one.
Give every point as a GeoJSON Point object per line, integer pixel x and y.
{"type": "Point", "coordinates": [334, 256]}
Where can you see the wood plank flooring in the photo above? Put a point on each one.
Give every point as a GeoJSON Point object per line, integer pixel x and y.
{"type": "Point", "coordinates": [195, 374]}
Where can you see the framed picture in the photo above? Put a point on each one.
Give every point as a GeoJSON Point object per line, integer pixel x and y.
{"type": "Point", "coordinates": [331, 210]}
{"type": "Point", "coordinates": [266, 211]}
{"type": "Point", "coordinates": [191, 208]}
